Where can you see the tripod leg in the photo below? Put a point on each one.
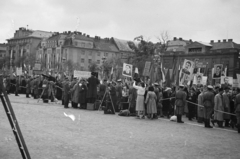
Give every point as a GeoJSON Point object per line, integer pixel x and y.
{"type": "Point", "coordinates": [102, 101]}
{"type": "Point", "coordinates": [41, 95]}
{"type": "Point", "coordinates": [112, 103]}
{"type": "Point", "coordinates": [14, 124]}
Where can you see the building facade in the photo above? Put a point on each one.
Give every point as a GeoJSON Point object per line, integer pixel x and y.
{"type": "Point", "coordinates": [3, 54]}
{"type": "Point", "coordinates": [207, 54]}
{"type": "Point", "coordinates": [24, 44]}
{"type": "Point", "coordinates": [79, 49]}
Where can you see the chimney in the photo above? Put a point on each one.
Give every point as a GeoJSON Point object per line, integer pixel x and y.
{"type": "Point", "coordinates": [180, 38]}
{"type": "Point", "coordinates": [88, 36]}
{"type": "Point", "coordinates": [174, 38]}
{"type": "Point", "coordinates": [84, 34]}
{"type": "Point", "coordinates": [212, 41]}
{"type": "Point", "coordinates": [230, 40]}
{"type": "Point", "coordinates": [190, 40]}
{"type": "Point", "coordinates": [219, 41]}
{"type": "Point", "coordinates": [224, 40]}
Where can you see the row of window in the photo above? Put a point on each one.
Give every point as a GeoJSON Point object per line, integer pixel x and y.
{"type": "Point", "coordinates": [90, 61]}
{"type": "Point", "coordinates": [20, 41]}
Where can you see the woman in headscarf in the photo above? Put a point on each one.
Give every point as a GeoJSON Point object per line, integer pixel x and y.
{"type": "Point", "coordinates": [151, 102]}
{"type": "Point", "coordinates": [140, 99]}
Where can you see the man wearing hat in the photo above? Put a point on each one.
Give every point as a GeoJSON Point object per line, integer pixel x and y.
{"type": "Point", "coordinates": [93, 82]}
{"type": "Point", "coordinates": [208, 103]}
{"type": "Point", "coordinates": [66, 93]}
{"type": "Point", "coordinates": [180, 103]}
{"type": "Point", "coordinates": [237, 110]}
{"type": "Point", "coordinates": [226, 105]}
{"type": "Point", "coordinates": [119, 94]}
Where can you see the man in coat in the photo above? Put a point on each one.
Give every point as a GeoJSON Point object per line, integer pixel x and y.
{"type": "Point", "coordinates": [83, 94]}
{"type": "Point", "coordinates": [200, 104]}
{"type": "Point", "coordinates": [17, 85]}
{"type": "Point", "coordinates": [66, 93]}
{"type": "Point", "coordinates": [226, 105]}
{"type": "Point", "coordinates": [208, 103]}
{"type": "Point", "coordinates": [237, 110]}
{"type": "Point", "coordinates": [180, 103]}
{"type": "Point", "coordinates": [218, 106]}
{"type": "Point", "coordinates": [93, 82]}
{"type": "Point", "coordinates": [119, 94]}
{"type": "Point", "coordinates": [28, 87]}
{"type": "Point", "coordinates": [75, 94]}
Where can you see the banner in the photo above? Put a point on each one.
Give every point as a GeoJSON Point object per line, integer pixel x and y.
{"type": "Point", "coordinates": [186, 72]}
{"type": "Point", "coordinates": [226, 81]}
{"type": "Point", "coordinates": [198, 79]}
{"type": "Point", "coordinates": [19, 71]}
{"type": "Point", "coordinates": [37, 66]}
{"type": "Point", "coordinates": [235, 83]}
{"type": "Point", "coordinates": [217, 71]}
{"type": "Point", "coordinates": [127, 70]}
{"type": "Point", "coordinates": [81, 74]}
{"type": "Point", "coordinates": [147, 67]}
{"type": "Point", "coordinates": [238, 79]}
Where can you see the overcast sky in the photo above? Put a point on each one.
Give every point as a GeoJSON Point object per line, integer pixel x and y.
{"type": "Point", "coordinates": [199, 20]}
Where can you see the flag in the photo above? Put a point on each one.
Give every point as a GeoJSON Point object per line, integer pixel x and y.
{"type": "Point", "coordinates": [167, 78]}
{"type": "Point", "coordinates": [225, 71]}
{"type": "Point", "coordinates": [136, 73]}
{"type": "Point", "coordinates": [177, 75]}
{"type": "Point", "coordinates": [111, 75]}
{"type": "Point", "coordinates": [163, 75]}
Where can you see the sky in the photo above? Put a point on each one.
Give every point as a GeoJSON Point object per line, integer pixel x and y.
{"type": "Point", "coordinates": [199, 20]}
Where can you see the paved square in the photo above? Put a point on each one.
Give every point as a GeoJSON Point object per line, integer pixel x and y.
{"type": "Point", "coordinates": [49, 134]}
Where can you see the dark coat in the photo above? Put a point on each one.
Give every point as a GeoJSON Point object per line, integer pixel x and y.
{"type": "Point", "coordinates": [75, 93]}
{"type": "Point", "coordinates": [93, 82]}
{"type": "Point", "coordinates": [180, 101]}
{"type": "Point", "coordinates": [66, 91]}
{"type": "Point", "coordinates": [28, 86]}
{"type": "Point", "coordinates": [83, 94]}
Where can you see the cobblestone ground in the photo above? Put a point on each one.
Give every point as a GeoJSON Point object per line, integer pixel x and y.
{"type": "Point", "coordinates": [49, 134]}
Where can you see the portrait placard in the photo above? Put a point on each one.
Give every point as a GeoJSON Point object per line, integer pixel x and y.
{"type": "Point", "coordinates": [127, 70]}
{"type": "Point", "coordinates": [217, 71]}
{"type": "Point", "coordinates": [186, 72]}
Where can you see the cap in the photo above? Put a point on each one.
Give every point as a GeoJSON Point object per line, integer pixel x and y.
{"type": "Point", "coordinates": [156, 84]}
{"type": "Point", "coordinates": [168, 88]}
{"type": "Point", "coordinates": [210, 87]}
{"type": "Point", "coordinates": [181, 85]}
{"type": "Point", "coordinates": [119, 80]}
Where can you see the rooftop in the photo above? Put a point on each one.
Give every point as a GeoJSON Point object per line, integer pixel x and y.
{"type": "Point", "coordinates": [122, 45]}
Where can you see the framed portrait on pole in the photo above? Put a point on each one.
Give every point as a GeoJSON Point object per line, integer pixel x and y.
{"type": "Point", "coordinates": [217, 71]}
{"type": "Point", "coordinates": [186, 72]}
{"type": "Point", "coordinates": [127, 70]}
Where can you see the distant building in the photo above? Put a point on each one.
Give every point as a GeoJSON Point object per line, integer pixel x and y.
{"type": "Point", "coordinates": [3, 53]}
{"type": "Point", "coordinates": [81, 49]}
{"type": "Point", "coordinates": [24, 42]}
{"type": "Point", "coordinates": [207, 54]}
{"type": "Point", "coordinates": [177, 45]}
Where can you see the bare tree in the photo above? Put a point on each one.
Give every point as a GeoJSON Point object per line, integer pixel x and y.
{"type": "Point", "coordinates": [163, 41]}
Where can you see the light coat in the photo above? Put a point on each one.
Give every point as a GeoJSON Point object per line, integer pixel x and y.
{"type": "Point", "coordinates": [218, 106]}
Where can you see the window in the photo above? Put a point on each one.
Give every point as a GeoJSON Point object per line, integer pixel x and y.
{"type": "Point", "coordinates": [98, 53]}
{"type": "Point", "coordinates": [89, 60]}
{"type": "Point", "coordinates": [82, 60]}
{"type": "Point", "coordinates": [83, 52]}
{"type": "Point", "coordinates": [98, 61]}
{"type": "Point", "coordinates": [76, 43]}
{"type": "Point", "coordinates": [90, 53]}
{"type": "Point", "coordinates": [195, 50]}
{"type": "Point", "coordinates": [105, 54]}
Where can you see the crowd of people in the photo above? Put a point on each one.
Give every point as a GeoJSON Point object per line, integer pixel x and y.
{"type": "Point", "coordinates": [205, 104]}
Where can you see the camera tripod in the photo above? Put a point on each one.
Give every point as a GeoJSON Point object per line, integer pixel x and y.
{"type": "Point", "coordinates": [107, 94]}
{"type": "Point", "coordinates": [13, 121]}
{"type": "Point", "coordinates": [45, 89]}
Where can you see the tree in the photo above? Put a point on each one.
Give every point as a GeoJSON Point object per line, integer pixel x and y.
{"type": "Point", "coordinates": [93, 67]}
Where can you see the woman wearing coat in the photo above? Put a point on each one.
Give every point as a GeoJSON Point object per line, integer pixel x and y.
{"type": "Point", "coordinates": [75, 95]}
{"type": "Point", "coordinates": [140, 99]}
{"type": "Point", "coordinates": [151, 102]}
{"type": "Point", "coordinates": [218, 106]}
